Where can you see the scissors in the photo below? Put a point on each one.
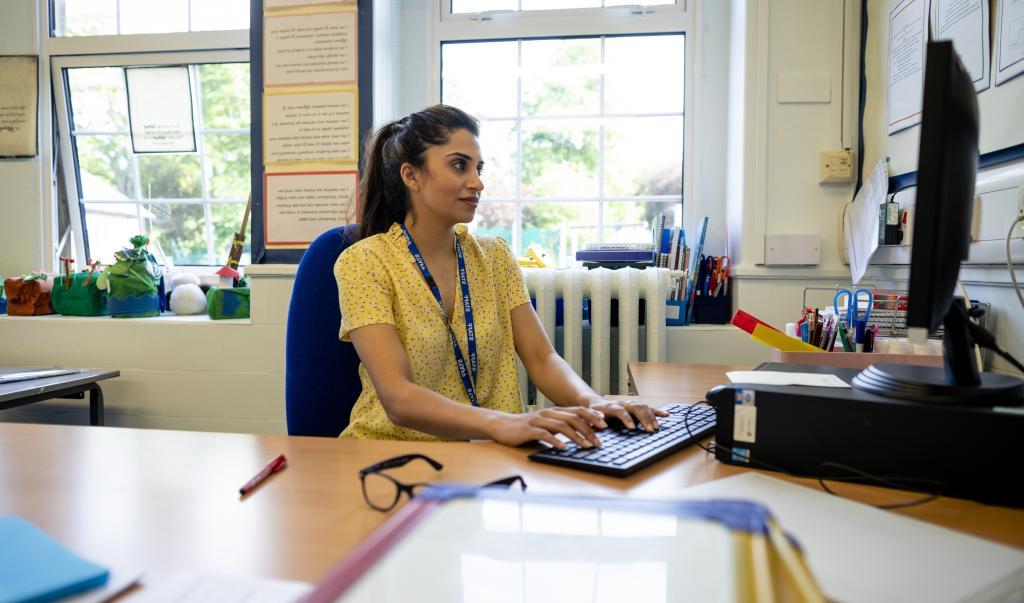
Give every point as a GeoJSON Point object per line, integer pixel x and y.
{"type": "Point", "coordinates": [722, 276]}
{"type": "Point", "coordinates": [712, 275]}
{"type": "Point", "coordinates": [853, 305]}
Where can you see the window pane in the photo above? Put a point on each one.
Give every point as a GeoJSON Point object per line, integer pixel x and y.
{"type": "Point", "coordinates": [630, 221]}
{"type": "Point", "coordinates": [105, 168]}
{"type": "Point", "coordinates": [170, 176]}
{"type": "Point", "coordinates": [480, 78]}
{"type": "Point", "coordinates": [227, 166]}
{"type": "Point", "coordinates": [560, 159]}
{"type": "Point", "coordinates": [555, 4]}
{"type": "Point", "coordinates": [220, 14]}
{"type": "Point", "coordinates": [495, 220]}
{"type": "Point", "coordinates": [153, 16]}
{"type": "Point", "coordinates": [561, 77]}
{"type": "Point", "coordinates": [479, 6]}
{"type": "Point", "coordinates": [560, 228]}
{"type": "Point", "coordinates": [85, 17]}
{"type": "Point", "coordinates": [636, 84]}
{"type": "Point", "coordinates": [643, 156]}
{"type": "Point", "coordinates": [110, 225]}
{"type": "Point", "coordinates": [498, 144]}
{"type": "Point", "coordinates": [633, 3]}
{"type": "Point", "coordinates": [227, 219]}
{"type": "Point", "coordinates": [98, 101]}
{"type": "Point", "coordinates": [179, 230]}
{"type": "Point", "coordinates": [224, 89]}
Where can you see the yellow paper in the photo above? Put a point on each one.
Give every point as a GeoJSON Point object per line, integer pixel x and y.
{"type": "Point", "coordinates": [781, 341]}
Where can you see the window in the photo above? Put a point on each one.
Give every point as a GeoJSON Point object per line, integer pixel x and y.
{"type": "Point", "coordinates": [477, 6]}
{"type": "Point", "coordinates": [583, 135]}
{"type": "Point", "coordinates": [118, 17]}
{"type": "Point", "coordinates": [190, 204]}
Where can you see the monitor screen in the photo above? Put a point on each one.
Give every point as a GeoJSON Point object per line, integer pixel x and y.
{"type": "Point", "coordinates": [946, 170]}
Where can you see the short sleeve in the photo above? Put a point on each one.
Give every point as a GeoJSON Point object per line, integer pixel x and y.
{"type": "Point", "coordinates": [511, 283]}
{"type": "Point", "coordinates": [365, 290]}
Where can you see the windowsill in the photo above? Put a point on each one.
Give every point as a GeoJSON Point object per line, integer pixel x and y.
{"type": "Point", "coordinates": [167, 318]}
{"type": "Point", "coordinates": [259, 270]}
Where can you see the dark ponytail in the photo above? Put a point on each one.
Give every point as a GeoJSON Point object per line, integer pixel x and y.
{"type": "Point", "coordinates": [383, 197]}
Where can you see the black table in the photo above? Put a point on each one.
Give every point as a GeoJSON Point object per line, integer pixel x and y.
{"type": "Point", "coordinates": [72, 385]}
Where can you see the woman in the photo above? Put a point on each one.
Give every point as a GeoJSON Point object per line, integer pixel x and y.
{"type": "Point", "coordinates": [436, 313]}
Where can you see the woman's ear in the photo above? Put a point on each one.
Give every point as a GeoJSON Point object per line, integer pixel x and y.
{"type": "Point", "coordinates": [410, 176]}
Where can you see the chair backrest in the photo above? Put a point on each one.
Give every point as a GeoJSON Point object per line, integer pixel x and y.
{"type": "Point", "coordinates": [321, 372]}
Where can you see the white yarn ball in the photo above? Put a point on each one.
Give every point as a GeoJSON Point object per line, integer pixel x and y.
{"type": "Point", "coordinates": [188, 298]}
{"type": "Point", "coordinates": [183, 278]}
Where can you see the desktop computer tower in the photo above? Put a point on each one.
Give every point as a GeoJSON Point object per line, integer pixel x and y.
{"type": "Point", "coordinates": [974, 452]}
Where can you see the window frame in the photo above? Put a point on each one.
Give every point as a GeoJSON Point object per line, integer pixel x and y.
{"type": "Point", "coordinates": [62, 52]}
{"type": "Point", "coordinates": [678, 18]}
{"type": "Point", "coordinates": [62, 96]}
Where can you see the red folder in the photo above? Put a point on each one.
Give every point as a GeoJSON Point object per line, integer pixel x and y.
{"type": "Point", "coordinates": [747, 322]}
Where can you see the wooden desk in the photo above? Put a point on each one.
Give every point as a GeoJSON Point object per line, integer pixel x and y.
{"type": "Point", "coordinates": [681, 382]}
{"type": "Point", "coordinates": [163, 500]}
{"type": "Point", "coordinates": [72, 385]}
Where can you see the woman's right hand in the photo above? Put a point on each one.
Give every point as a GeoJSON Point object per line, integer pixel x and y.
{"type": "Point", "coordinates": [575, 422]}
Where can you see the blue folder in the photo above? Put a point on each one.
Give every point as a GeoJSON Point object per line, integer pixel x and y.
{"type": "Point", "coordinates": [35, 568]}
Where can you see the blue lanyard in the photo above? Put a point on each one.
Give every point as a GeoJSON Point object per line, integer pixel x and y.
{"type": "Point", "coordinates": [467, 308]}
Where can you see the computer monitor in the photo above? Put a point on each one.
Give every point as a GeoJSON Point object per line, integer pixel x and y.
{"type": "Point", "coordinates": [946, 172]}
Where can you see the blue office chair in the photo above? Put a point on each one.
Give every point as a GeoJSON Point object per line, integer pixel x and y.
{"type": "Point", "coordinates": [321, 372]}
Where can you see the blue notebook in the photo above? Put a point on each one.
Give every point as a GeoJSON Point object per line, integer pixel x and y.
{"type": "Point", "coordinates": [35, 568]}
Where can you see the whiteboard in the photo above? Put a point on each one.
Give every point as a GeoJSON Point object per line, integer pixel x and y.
{"type": "Point", "coordinates": [1001, 108]}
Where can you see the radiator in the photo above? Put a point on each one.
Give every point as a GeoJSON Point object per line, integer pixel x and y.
{"type": "Point", "coordinates": [628, 286]}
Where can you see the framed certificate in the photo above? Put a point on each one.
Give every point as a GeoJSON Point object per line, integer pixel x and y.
{"type": "Point", "coordinates": [19, 106]}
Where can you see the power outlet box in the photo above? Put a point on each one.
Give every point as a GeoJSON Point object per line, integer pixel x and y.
{"type": "Point", "coordinates": [1018, 230]}
{"type": "Point", "coordinates": [836, 166]}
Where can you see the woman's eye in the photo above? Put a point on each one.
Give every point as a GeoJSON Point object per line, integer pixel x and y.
{"type": "Point", "coordinates": [459, 165]}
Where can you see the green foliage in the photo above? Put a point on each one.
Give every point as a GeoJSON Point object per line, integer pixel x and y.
{"type": "Point", "coordinates": [135, 270]}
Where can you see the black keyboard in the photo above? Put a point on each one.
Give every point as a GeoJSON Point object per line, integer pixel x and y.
{"type": "Point", "coordinates": [624, 451]}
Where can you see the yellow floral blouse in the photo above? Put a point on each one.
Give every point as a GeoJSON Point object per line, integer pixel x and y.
{"type": "Point", "coordinates": [379, 283]}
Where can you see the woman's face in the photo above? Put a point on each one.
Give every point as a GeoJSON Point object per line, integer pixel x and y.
{"type": "Point", "coordinates": [447, 186]}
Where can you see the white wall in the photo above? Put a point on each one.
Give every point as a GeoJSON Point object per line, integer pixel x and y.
{"type": "Point", "coordinates": [21, 225]}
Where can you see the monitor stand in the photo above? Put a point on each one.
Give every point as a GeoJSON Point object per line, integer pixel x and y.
{"type": "Point", "coordinates": [959, 383]}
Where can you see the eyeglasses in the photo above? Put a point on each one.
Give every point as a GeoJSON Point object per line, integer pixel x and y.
{"type": "Point", "coordinates": [382, 492]}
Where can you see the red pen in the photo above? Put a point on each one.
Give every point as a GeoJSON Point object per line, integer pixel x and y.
{"type": "Point", "coordinates": [273, 466]}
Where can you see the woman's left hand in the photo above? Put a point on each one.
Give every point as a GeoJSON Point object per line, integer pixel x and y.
{"type": "Point", "coordinates": [627, 411]}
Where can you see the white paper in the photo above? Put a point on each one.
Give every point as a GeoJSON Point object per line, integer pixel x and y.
{"type": "Point", "coordinates": [118, 582]}
{"type": "Point", "coordinates": [908, 34]}
{"type": "Point", "coordinates": [1009, 40]}
{"type": "Point", "coordinates": [860, 222]}
{"type": "Point", "coordinates": [859, 553]}
{"type": "Point", "coordinates": [18, 106]}
{"type": "Point", "coordinates": [160, 109]}
{"type": "Point", "coordinates": [301, 206]}
{"type": "Point", "coordinates": [317, 126]}
{"type": "Point", "coordinates": [965, 22]}
{"type": "Point", "coordinates": [309, 49]}
{"type": "Point", "coordinates": [782, 378]}
{"type": "Point", "coordinates": [196, 587]}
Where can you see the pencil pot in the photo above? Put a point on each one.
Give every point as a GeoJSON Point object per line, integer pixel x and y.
{"type": "Point", "coordinates": [29, 295]}
{"type": "Point", "coordinates": [78, 295]}
{"type": "Point", "coordinates": [712, 309]}
{"type": "Point", "coordinates": [227, 302]}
